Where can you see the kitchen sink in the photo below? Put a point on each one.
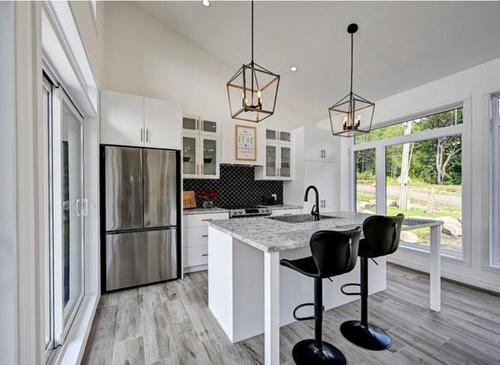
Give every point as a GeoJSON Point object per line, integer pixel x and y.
{"type": "Point", "coordinates": [299, 218]}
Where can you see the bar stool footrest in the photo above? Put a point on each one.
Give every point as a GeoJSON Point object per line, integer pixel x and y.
{"type": "Point", "coordinates": [348, 285]}
{"type": "Point", "coordinates": [297, 318]}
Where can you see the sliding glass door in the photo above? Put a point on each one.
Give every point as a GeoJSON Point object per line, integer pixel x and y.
{"type": "Point", "coordinates": [71, 170]}
{"type": "Point", "coordinates": [64, 245]}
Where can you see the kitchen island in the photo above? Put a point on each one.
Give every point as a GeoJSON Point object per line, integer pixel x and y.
{"type": "Point", "coordinates": [249, 293]}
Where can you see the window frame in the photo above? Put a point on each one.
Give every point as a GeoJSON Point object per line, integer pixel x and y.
{"type": "Point", "coordinates": [380, 162]}
{"type": "Point", "coordinates": [494, 244]}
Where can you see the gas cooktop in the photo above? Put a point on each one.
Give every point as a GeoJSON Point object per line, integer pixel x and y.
{"type": "Point", "coordinates": [247, 211]}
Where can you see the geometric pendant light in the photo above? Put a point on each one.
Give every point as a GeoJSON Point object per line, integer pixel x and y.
{"type": "Point", "coordinates": [352, 114]}
{"type": "Point", "coordinates": [253, 90]}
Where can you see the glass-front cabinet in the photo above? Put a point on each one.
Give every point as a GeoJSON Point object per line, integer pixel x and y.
{"type": "Point", "coordinates": [279, 156]}
{"type": "Point", "coordinates": [200, 149]}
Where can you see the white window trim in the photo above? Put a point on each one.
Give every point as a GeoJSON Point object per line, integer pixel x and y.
{"type": "Point", "coordinates": [380, 192]}
{"type": "Point", "coordinates": [495, 184]}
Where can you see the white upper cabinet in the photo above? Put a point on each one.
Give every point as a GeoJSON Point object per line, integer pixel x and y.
{"type": "Point", "coordinates": [137, 121]}
{"type": "Point", "coordinates": [162, 124]}
{"type": "Point", "coordinates": [122, 119]}
{"type": "Point", "coordinates": [201, 149]}
{"type": "Point", "coordinates": [278, 150]}
{"type": "Point", "coordinates": [319, 145]}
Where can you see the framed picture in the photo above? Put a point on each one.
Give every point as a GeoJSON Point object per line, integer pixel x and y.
{"type": "Point", "coordinates": [246, 143]}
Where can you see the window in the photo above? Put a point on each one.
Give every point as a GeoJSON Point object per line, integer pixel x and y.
{"type": "Point", "coordinates": [495, 239]}
{"type": "Point", "coordinates": [365, 181]}
{"type": "Point", "coordinates": [423, 175]}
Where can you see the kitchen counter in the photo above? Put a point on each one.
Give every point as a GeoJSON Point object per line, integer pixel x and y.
{"type": "Point", "coordinates": [271, 235]}
{"type": "Point", "coordinates": [204, 210]}
{"type": "Point", "coordinates": [250, 293]}
{"type": "Point", "coordinates": [223, 210]}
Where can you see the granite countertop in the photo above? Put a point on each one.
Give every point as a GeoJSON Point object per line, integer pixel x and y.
{"type": "Point", "coordinates": [270, 235]}
{"type": "Point", "coordinates": [223, 210]}
{"type": "Point", "coordinates": [204, 210]}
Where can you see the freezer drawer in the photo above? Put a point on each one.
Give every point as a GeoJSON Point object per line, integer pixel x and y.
{"type": "Point", "coordinates": [140, 257]}
{"type": "Point", "coordinates": [160, 188]}
{"type": "Point", "coordinates": [124, 193]}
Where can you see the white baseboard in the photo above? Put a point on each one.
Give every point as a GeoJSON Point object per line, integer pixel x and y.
{"type": "Point", "coordinates": [73, 349]}
{"type": "Point", "coordinates": [187, 270]}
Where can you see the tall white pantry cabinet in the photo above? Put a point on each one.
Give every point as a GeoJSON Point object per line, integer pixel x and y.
{"type": "Point", "coordinates": [316, 163]}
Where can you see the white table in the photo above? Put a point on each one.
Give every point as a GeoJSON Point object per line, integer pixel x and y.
{"type": "Point", "coordinates": [271, 245]}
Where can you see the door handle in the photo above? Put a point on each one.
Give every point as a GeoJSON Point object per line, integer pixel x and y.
{"type": "Point", "coordinates": [204, 254]}
{"type": "Point", "coordinates": [77, 207]}
{"type": "Point", "coordinates": [204, 235]}
{"type": "Point", "coordinates": [142, 134]}
{"type": "Point", "coordinates": [147, 135]}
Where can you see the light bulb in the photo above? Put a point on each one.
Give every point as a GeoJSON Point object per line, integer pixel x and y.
{"type": "Point", "coordinates": [206, 2]}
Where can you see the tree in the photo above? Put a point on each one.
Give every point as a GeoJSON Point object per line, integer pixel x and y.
{"type": "Point", "coordinates": [447, 148]}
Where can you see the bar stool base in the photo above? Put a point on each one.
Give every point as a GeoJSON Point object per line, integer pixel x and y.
{"type": "Point", "coordinates": [368, 337]}
{"type": "Point", "coordinates": [306, 353]}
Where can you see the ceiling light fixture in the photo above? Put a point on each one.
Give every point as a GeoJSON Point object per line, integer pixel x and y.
{"type": "Point", "coordinates": [293, 68]}
{"type": "Point", "coordinates": [206, 2]}
{"type": "Point", "coordinates": [352, 114]}
{"type": "Point", "coordinates": [253, 90]}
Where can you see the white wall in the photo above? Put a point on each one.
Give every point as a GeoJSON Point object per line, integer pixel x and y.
{"type": "Point", "coordinates": [92, 33]}
{"type": "Point", "coordinates": [474, 87]}
{"type": "Point", "coordinates": [144, 57]}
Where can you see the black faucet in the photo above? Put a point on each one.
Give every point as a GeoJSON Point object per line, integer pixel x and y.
{"type": "Point", "coordinates": [315, 208]}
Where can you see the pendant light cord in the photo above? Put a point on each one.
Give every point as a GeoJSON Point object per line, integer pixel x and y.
{"type": "Point", "coordinates": [352, 56]}
{"type": "Point", "coordinates": [252, 32]}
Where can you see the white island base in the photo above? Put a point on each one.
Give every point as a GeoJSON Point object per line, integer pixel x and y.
{"type": "Point", "coordinates": [240, 276]}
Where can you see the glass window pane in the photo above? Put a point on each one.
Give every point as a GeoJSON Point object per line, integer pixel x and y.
{"type": "Point", "coordinates": [285, 136]}
{"type": "Point", "coordinates": [270, 161]}
{"type": "Point", "coordinates": [270, 134]}
{"type": "Point", "coordinates": [209, 126]}
{"type": "Point", "coordinates": [365, 181]}
{"type": "Point", "coordinates": [209, 156]}
{"type": "Point", "coordinates": [72, 193]}
{"type": "Point", "coordinates": [189, 124]}
{"type": "Point", "coordinates": [424, 179]}
{"type": "Point", "coordinates": [189, 155]}
{"type": "Point", "coordinates": [439, 120]}
{"type": "Point", "coordinates": [286, 161]}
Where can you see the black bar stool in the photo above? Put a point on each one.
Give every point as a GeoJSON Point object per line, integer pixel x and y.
{"type": "Point", "coordinates": [381, 238]}
{"type": "Point", "coordinates": [333, 253]}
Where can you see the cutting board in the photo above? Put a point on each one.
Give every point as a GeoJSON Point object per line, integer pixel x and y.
{"type": "Point", "coordinates": [189, 198]}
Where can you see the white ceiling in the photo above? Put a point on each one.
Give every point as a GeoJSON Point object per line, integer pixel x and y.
{"type": "Point", "coordinates": [400, 45]}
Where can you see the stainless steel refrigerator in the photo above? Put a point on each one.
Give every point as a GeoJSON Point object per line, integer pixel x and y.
{"type": "Point", "coordinates": [141, 217]}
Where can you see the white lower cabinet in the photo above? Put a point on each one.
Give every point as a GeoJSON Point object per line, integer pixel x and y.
{"type": "Point", "coordinates": [195, 240]}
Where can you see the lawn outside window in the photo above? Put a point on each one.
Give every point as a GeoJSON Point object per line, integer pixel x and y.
{"type": "Point", "coordinates": [420, 164]}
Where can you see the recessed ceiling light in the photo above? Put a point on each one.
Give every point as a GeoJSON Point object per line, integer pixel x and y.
{"type": "Point", "coordinates": [293, 68]}
{"type": "Point", "coordinates": [206, 2]}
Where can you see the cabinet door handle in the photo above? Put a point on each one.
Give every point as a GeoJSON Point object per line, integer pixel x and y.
{"type": "Point", "coordinates": [207, 220]}
{"type": "Point", "coordinates": [204, 235]}
{"type": "Point", "coordinates": [142, 134]}
{"type": "Point", "coordinates": [204, 254]}
{"type": "Point", "coordinates": [147, 135]}
{"type": "Point", "coordinates": [203, 169]}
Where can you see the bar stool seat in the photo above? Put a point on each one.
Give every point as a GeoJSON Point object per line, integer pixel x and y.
{"type": "Point", "coordinates": [333, 253]}
{"type": "Point", "coordinates": [305, 266]}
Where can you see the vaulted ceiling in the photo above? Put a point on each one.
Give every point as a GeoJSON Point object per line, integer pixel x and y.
{"type": "Point", "coordinates": [400, 45]}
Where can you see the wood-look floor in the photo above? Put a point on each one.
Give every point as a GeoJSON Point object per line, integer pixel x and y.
{"type": "Point", "coordinates": [170, 323]}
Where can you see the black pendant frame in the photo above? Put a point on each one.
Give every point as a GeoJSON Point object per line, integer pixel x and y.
{"type": "Point", "coordinates": [252, 80]}
{"type": "Point", "coordinates": [343, 113]}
